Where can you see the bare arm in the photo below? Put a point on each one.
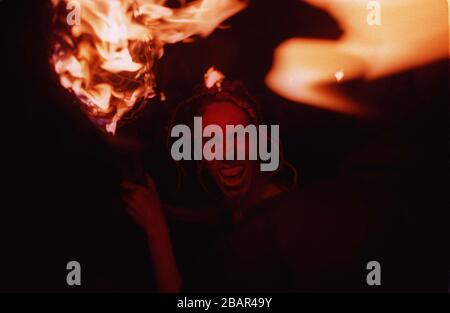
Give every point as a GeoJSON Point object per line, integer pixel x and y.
{"type": "Point", "coordinates": [145, 208]}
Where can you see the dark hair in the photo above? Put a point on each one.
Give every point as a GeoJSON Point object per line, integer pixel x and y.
{"type": "Point", "coordinates": [230, 91]}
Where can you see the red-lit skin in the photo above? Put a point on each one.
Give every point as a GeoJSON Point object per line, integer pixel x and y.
{"type": "Point", "coordinates": [244, 188]}
{"type": "Point", "coordinates": [145, 208]}
{"type": "Point", "coordinates": [240, 181]}
{"type": "Point", "coordinates": [235, 178]}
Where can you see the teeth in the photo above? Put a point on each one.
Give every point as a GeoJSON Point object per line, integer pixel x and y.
{"type": "Point", "coordinates": [232, 171]}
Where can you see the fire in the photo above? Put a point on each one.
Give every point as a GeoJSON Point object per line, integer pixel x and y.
{"type": "Point", "coordinates": [213, 78]}
{"type": "Point", "coordinates": [411, 33]}
{"type": "Point", "coordinates": [107, 59]}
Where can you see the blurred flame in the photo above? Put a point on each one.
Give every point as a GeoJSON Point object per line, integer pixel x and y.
{"type": "Point", "coordinates": [213, 77]}
{"type": "Point", "coordinates": [412, 33]}
{"type": "Point", "coordinates": [107, 60]}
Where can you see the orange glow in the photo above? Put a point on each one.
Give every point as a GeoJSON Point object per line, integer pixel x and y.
{"type": "Point", "coordinates": [213, 78]}
{"type": "Point", "coordinates": [412, 33]}
{"type": "Point", "coordinates": [107, 60]}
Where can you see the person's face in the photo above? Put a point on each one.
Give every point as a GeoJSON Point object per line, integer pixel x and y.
{"type": "Point", "coordinates": [233, 177]}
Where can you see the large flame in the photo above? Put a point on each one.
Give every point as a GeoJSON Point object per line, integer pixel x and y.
{"type": "Point", "coordinates": [107, 60]}
{"type": "Point", "coordinates": [411, 33]}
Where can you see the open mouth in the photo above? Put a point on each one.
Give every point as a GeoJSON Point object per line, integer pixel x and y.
{"type": "Point", "coordinates": [232, 177]}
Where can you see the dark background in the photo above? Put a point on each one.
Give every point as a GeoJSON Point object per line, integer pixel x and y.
{"type": "Point", "coordinates": [62, 200]}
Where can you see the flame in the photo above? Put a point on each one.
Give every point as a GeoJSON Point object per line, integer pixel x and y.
{"type": "Point", "coordinates": [107, 59]}
{"type": "Point", "coordinates": [411, 33]}
{"type": "Point", "coordinates": [213, 77]}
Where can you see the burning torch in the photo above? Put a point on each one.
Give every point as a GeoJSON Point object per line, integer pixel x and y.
{"type": "Point", "coordinates": [104, 54]}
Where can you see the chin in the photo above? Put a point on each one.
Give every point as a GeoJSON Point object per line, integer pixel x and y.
{"type": "Point", "coordinates": [235, 193]}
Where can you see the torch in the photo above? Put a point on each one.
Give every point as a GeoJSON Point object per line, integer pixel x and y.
{"type": "Point", "coordinates": [104, 53]}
